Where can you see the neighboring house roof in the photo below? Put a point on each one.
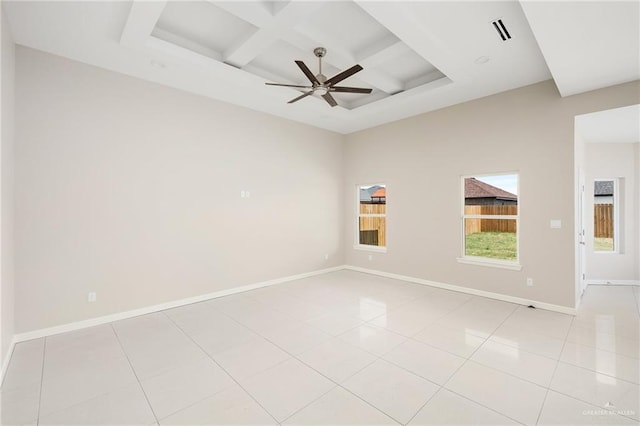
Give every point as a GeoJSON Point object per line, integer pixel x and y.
{"type": "Point", "coordinates": [603, 188]}
{"type": "Point", "coordinates": [380, 193]}
{"type": "Point", "coordinates": [366, 193]}
{"type": "Point", "coordinates": [474, 188]}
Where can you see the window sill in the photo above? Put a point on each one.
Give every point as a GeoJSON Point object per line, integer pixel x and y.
{"type": "Point", "coordinates": [375, 249]}
{"type": "Point", "coordinates": [514, 266]}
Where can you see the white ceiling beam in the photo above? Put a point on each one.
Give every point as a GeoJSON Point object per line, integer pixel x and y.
{"type": "Point", "coordinates": [244, 51]}
{"type": "Point", "coordinates": [384, 55]}
{"type": "Point", "coordinates": [142, 19]}
{"type": "Point", "coordinates": [170, 41]}
{"type": "Point", "coordinates": [177, 52]}
{"type": "Point", "coordinates": [247, 11]}
{"type": "Point", "coordinates": [270, 31]}
{"type": "Point", "coordinates": [587, 45]}
{"type": "Point", "coordinates": [399, 18]}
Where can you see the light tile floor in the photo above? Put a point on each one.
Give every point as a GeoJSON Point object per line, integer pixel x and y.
{"type": "Point", "coordinates": [341, 348]}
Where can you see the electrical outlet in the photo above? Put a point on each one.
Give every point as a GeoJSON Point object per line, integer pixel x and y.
{"type": "Point", "coordinates": [530, 282]}
{"type": "Point", "coordinates": [326, 256]}
{"type": "Point", "coordinates": [370, 257]}
{"type": "Point", "coordinates": [91, 297]}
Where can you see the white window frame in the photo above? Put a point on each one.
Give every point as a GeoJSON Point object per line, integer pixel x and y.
{"type": "Point", "coordinates": [367, 247]}
{"type": "Point", "coordinates": [616, 216]}
{"type": "Point", "coordinates": [487, 261]}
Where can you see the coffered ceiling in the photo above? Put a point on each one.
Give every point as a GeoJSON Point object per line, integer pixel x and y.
{"type": "Point", "coordinates": [416, 56]}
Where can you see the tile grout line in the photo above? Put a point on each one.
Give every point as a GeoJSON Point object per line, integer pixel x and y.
{"type": "Point", "coordinates": [470, 299]}
{"type": "Point", "coordinates": [483, 406]}
{"type": "Point", "coordinates": [584, 400]}
{"type": "Point", "coordinates": [467, 359]}
{"type": "Point", "coordinates": [425, 404]}
{"type": "Point", "coordinates": [440, 387]}
{"type": "Point", "coordinates": [546, 394]}
{"type": "Point", "coordinates": [294, 356]}
{"type": "Point", "coordinates": [133, 370]}
{"type": "Point", "coordinates": [377, 358]}
{"type": "Point", "coordinates": [44, 353]}
{"type": "Point", "coordinates": [339, 385]}
{"type": "Point", "coordinates": [220, 366]}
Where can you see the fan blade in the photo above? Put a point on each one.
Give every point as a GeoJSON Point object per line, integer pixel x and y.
{"type": "Point", "coordinates": [304, 95]}
{"type": "Point", "coordinates": [307, 72]}
{"type": "Point", "coordinates": [288, 85]}
{"type": "Point", "coordinates": [350, 89]}
{"type": "Point", "coordinates": [330, 100]}
{"type": "Point", "coordinates": [344, 74]}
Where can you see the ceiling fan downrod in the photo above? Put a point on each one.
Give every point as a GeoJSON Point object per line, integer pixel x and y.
{"type": "Point", "coordinates": [320, 83]}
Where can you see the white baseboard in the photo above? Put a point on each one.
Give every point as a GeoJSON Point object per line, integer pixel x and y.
{"type": "Point", "coordinates": [475, 292]}
{"type": "Point", "coordinates": [35, 334]}
{"type": "Point", "coordinates": [5, 361]}
{"type": "Point", "coordinates": [613, 282]}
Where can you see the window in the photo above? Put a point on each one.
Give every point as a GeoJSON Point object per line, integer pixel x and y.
{"type": "Point", "coordinates": [604, 215]}
{"type": "Point", "coordinates": [372, 217]}
{"type": "Point", "coordinates": [490, 220]}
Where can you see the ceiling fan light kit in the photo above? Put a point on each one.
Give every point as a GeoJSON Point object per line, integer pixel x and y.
{"type": "Point", "coordinates": [320, 84]}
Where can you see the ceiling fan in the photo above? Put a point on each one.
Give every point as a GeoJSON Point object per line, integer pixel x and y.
{"type": "Point", "coordinates": [320, 83]}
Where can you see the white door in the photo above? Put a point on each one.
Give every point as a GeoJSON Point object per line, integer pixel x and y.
{"type": "Point", "coordinates": [581, 236]}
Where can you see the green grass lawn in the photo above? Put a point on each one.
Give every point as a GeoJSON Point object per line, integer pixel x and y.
{"type": "Point", "coordinates": [603, 244]}
{"type": "Point", "coordinates": [496, 245]}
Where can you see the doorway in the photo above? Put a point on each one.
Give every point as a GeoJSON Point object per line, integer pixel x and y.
{"type": "Point", "coordinates": [607, 150]}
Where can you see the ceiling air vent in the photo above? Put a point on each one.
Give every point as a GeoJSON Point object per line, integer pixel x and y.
{"type": "Point", "coordinates": [501, 29]}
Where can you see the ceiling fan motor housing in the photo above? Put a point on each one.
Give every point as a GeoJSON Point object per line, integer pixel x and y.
{"type": "Point", "coordinates": [319, 82]}
{"type": "Point", "coordinates": [320, 52]}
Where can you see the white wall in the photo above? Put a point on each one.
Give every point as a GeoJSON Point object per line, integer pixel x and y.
{"type": "Point", "coordinates": [614, 160]}
{"type": "Point", "coordinates": [132, 190]}
{"type": "Point", "coordinates": [6, 186]}
{"type": "Point", "coordinates": [421, 159]}
{"type": "Point", "coordinates": [637, 212]}
{"type": "Point", "coordinates": [579, 207]}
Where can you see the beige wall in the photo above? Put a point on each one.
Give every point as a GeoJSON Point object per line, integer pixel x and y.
{"type": "Point", "coordinates": [613, 160]}
{"type": "Point", "coordinates": [421, 159]}
{"type": "Point", "coordinates": [6, 186]}
{"type": "Point", "coordinates": [637, 211]}
{"type": "Point", "coordinates": [132, 190]}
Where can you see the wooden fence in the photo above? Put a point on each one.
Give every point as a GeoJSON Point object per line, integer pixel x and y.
{"type": "Point", "coordinates": [373, 230]}
{"type": "Point", "coordinates": [603, 220]}
{"type": "Point", "coordinates": [472, 226]}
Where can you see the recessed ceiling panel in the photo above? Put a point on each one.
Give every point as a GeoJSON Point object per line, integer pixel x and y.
{"type": "Point", "coordinates": [201, 23]}
{"type": "Point", "coordinates": [351, 101]}
{"type": "Point", "coordinates": [408, 67]}
{"type": "Point", "coordinates": [346, 23]}
{"type": "Point", "coordinates": [278, 62]}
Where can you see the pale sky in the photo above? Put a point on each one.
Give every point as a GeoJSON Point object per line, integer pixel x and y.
{"type": "Point", "coordinates": [507, 182]}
